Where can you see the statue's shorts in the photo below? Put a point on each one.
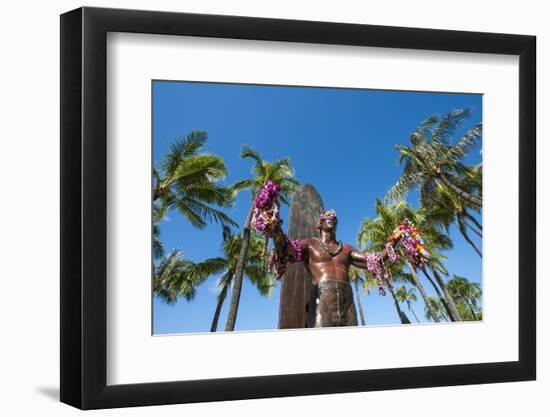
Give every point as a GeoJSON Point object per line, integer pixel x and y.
{"type": "Point", "coordinates": [335, 306]}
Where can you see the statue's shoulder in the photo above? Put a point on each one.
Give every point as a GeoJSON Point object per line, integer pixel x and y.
{"type": "Point", "coordinates": [348, 247]}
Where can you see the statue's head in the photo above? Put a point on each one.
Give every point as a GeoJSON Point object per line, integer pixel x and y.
{"type": "Point", "coordinates": [327, 221]}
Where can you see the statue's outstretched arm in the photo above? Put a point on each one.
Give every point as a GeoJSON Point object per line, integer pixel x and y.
{"type": "Point", "coordinates": [359, 259]}
{"type": "Point", "coordinates": [281, 244]}
{"type": "Point", "coordinates": [374, 262]}
{"type": "Point", "coordinates": [266, 220]}
{"type": "Point", "coordinates": [286, 251]}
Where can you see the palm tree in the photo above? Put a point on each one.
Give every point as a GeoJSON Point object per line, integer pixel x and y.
{"type": "Point", "coordinates": [372, 237]}
{"type": "Point", "coordinates": [435, 265]}
{"type": "Point", "coordinates": [188, 180]}
{"type": "Point", "coordinates": [432, 160]}
{"type": "Point", "coordinates": [357, 277]}
{"type": "Point", "coordinates": [254, 269]}
{"type": "Point", "coordinates": [373, 234]}
{"type": "Point", "coordinates": [171, 278]}
{"type": "Point", "coordinates": [436, 307]}
{"type": "Point", "coordinates": [418, 284]}
{"type": "Point", "coordinates": [176, 277]}
{"type": "Point", "coordinates": [279, 171]}
{"type": "Point", "coordinates": [436, 241]}
{"type": "Point", "coordinates": [407, 296]}
{"type": "Point", "coordinates": [158, 247]}
{"type": "Point", "coordinates": [467, 295]}
{"type": "Point", "coordinates": [368, 283]}
{"type": "Point", "coordinates": [448, 208]}
{"type": "Point", "coordinates": [441, 297]}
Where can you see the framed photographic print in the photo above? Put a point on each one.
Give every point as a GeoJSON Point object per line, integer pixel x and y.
{"type": "Point", "coordinates": [287, 194]}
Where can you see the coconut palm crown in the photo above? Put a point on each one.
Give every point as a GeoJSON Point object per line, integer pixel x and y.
{"type": "Point", "coordinates": [189, 180]}
{"type": "Point", "coordinates": [432, 159]}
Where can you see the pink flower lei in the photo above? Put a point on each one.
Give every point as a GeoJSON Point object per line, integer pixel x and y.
{"type": "Point", "coordinates": [327, 215]}
{"type": "Point", "coordinates": [412, 242]}
{"type": "Point", "coordinates": [266, 219]}
{"type": "Point", "coordinates": [293, 253]}
{"type": "Point", "coordinates": [375, 265]}
{"type": "Point", "coordinates": [415, 251]}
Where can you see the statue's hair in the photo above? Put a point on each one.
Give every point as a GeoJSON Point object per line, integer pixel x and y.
{"type": "Point", "coordinates": [329, 214]}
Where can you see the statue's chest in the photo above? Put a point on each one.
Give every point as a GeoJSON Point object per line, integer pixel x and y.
{"type": "Point", "coordinates": [328, 253]}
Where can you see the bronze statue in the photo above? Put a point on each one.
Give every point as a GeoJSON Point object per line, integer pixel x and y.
{"type": "Point", "coordinates": [328, 261]}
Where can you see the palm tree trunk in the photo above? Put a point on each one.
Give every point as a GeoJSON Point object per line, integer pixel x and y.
{"type": "Point", "coordinates": [359, 305]}
{"type": "Point", "coordinates": [412, 311]}
{"type": "Point", "coordinates": [466, 196]}
{"type": "Point", "coordinates": [156, 188]}
{"type": "Point", "coordinates": [473, 229]}
{"type": "Point", "coordinates": [473, 219]}
{"type": "Point", "coordinates": [422, 292]}
{"type": "Point", "coordinates": [221, 300]}
{"type": "Point", "coordinates": [450, 300]}
{"type": "Point", "coordinates": [239, 272]}
{"type": "Point", "coordinates": [472, 311]}
{"type": "Point", "coordinates": [264, 254]}
{"type": "Point", "coordinates": [472, 244]}
{"type": "Point", "coordinates": [402, 317]}
{"type": "Point", "coordinates": [439, 295]}
{"type": "Point", "coordinates": [446, 298]}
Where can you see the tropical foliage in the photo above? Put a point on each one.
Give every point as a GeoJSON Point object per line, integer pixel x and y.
{"type": "Point", "coordinates": [407, 296]}
{"type": "Point", "coordinates": [176, 277]}
{"type": "Point", "coordinates": [172, 278]}
{"type": "Point", "coordinates": [432, 160]}
{"type": "Point", "coordinates": [450, 195]}
{"type": "Point", "coordinates": [468, 297]}
{"type": "Point", "coordinates": [373, 233]}
{"type": "Point", "coordinates": [191, 182]}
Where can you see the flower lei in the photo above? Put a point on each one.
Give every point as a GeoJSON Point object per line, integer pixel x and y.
{"type": "Point", "coordinates": [292, 253]}
{"type": "Point", "coordinates": [375, 265]}
{"type": "Point", "coordinates": [412, 242]}
{"type": "Point", "coordinates": [415, 252]}
{"type": "Point", "coordinates": [327, 215]}
{"type": "Point", "coordinates": [266, 219]}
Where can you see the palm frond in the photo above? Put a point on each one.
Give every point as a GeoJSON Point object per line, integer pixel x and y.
{"type": "Point", "coordinates": [449, 124]}
{"type": "Point", "coordinates": [425, 130]}
{"type": "Point", "coordinates": [168, 272]}
{"type": "Point", "coordinates": [264, 282]}
{"type": "Point", "coordinates": [199, 213]}
{"type": "Point", "coordinates": [208, 193]}
{"type": "Point", "coordinates": [181, 149]}
{"type": "Point", "coordinates": [203, 167]}
{"type": "Point", "coordinates": [240, 185]}
{"type": "Point", "coordinates": [405, 184]}
{"type": "Point", "coordinates": [465, 144]}
{"type": "Point", "coordinates": [190, 212]}
{"type": "Point", "coordinates": [248, 152]}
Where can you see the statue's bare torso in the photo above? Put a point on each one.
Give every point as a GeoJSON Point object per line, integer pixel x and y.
{"type": "Point", "coordinates": [328, 262]}
{"type": "Point", "coordinates": [322, 265]}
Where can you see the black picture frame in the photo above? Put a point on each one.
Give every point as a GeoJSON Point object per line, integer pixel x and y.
{"type": "Point", "coordinates": [84, 207]}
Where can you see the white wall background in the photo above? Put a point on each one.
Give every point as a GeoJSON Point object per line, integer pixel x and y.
{"type": "Point", "coordinates": [29, 213]}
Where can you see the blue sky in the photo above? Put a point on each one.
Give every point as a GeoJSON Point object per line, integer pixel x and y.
{"type": "Point", "coordinates": [340, 140]}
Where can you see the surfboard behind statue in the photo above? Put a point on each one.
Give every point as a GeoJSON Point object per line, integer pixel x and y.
{"type": "Point", "coordinates": [297, 303]}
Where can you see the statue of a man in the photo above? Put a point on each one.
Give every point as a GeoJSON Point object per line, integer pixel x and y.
{"type": "Point", "coordinates": [328, 261]}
